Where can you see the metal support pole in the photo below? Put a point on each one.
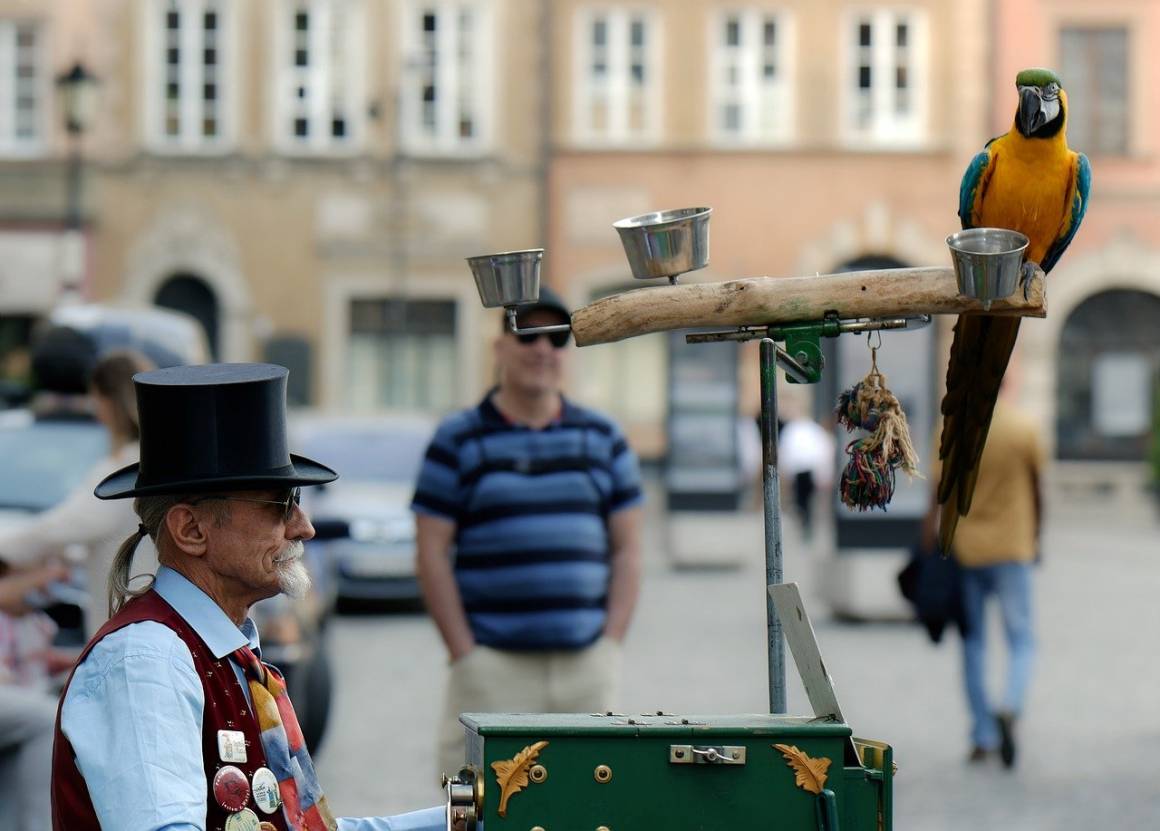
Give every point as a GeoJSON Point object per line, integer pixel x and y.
{"type": "Point", "coordinates": [72, 257]}
{"type": "Point", "coordinates": [72, 217]}
{"type": "Point", "coordinates": [772, 495]}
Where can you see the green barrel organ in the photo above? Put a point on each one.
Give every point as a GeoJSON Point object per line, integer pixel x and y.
{"type": "Point", "coordinates": [694, 773]}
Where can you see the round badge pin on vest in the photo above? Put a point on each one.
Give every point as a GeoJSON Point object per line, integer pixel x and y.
{"type": "Point", "coordinates": [265, 789]}
{"type": "Point", "coordinates": [267, 826]}
{"type": "Point", "coordinates": [243, 820]}
{"type": "Point", "coordinates": [231, 789]}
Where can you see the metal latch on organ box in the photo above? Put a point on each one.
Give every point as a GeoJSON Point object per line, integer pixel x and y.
{"type": "Point", "coordinates": [693, 754]}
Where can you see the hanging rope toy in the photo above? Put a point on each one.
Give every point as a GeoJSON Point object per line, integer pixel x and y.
{"type": "Point", "coordinates": [869, 478]}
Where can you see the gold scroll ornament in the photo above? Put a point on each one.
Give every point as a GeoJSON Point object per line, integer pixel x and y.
{"type": "Point", "coordinates": [512, 774]}
{"type": "Point", "coordinates": [810, 774]}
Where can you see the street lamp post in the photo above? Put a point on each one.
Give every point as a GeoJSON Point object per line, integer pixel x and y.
{"type": "Point", "coordinates": [77, 89]}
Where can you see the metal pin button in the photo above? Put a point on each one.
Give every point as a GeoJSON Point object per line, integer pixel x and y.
{"type": "Point", "coordinates": [231, 789]}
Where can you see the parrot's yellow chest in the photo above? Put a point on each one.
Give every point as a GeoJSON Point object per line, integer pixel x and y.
{"type": "Point", "coordinates": [1030, 190]}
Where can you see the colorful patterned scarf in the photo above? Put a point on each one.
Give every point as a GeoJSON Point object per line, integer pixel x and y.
{"type": "Point", "coordinates": [303, 804]}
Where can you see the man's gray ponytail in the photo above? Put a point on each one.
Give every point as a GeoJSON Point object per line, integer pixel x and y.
{"type": "Point", "coordinates": [152, 511]}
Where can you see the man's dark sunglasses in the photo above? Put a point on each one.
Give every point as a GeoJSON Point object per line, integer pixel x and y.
{"type": "Point", "coordinates": [292, 501]}
{"type": "Point", "coordinates": [559, 339]}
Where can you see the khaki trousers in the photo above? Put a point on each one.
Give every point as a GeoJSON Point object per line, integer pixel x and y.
{"type": "Point", "coordinates": [488, 680]}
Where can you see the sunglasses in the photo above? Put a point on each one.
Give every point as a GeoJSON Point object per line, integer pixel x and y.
{"type": "Point", "coordinates": [559, 339]}
{"type": "Point", "coordinates": [292, 501]}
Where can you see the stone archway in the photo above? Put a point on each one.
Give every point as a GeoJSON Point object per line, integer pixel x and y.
{"type": "Point", "coordinates": [1124, 263]}
{"type": "Point", "coordinates": [190, 294]}
{"type": "Point", "coordinates": [188, 241]}
{"type": "Point", "coordinates": [876, 232]}
{"type": "Point", "coordinates": [1107, 381]}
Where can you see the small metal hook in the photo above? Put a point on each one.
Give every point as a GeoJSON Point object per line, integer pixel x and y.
{"type": "Point", "coordinates": [874, 347]}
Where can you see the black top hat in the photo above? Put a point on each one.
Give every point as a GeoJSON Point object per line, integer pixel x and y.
{"type": "Point", "coordinates": [212, 428]}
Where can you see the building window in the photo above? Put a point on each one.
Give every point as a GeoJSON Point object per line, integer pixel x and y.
{"type": "Point", "coordinates": [446, 92]}
{"type": "Point", "coordinates": [321, 71]}
{"type": "Point", "coordinates": [188, 73]}
{"type": "Point", "coordinates": [23, 88]}
{"type": "Point", "coordinates": [1094, 67]}
{"type": "Point", "coordinates": [618, 84]}
{"type": "Point", "coordinates": [628, 380]}
{"type": "Point", "coordinates": [751, 79]}
{"type": "Point", "coordinates": [886, 78]}
{"type": "Point", "coordinates": [402, 355]}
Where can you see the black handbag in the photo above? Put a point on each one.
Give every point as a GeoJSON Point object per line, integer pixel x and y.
{"type": "Point", "coordinates": [931, 584]}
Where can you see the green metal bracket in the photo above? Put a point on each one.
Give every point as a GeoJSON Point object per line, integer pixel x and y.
{"type": "Point", "coordinates": [803, 343]}
{"type": "Point", "coordinates": [802, 358]}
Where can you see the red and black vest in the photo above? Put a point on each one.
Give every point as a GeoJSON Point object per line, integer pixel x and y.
{"type": "Point", "coordinates": [226, 708]}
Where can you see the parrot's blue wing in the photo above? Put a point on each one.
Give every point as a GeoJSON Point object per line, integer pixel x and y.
{"type": "Point", "coordinates": [1079, 203]}
{"type": "Point", "coordinates": [969, 189]}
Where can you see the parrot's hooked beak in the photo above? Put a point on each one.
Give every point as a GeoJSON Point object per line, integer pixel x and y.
{"type": "Point", "coordinates": [1032, 113]}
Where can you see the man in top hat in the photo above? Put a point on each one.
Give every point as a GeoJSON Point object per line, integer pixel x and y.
{"type": "Point", "coordinates": [170, 719]}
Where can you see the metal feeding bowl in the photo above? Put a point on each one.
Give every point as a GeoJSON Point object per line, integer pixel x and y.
{"type": "Point", "coordinates": [987, 262]}
{"type": "Point", "coordinates": [509, 278]}
{"type": "Point", "coordinates": [666, 243]}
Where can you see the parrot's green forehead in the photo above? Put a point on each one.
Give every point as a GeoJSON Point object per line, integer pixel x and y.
{"type": "Point", "coordinates": [1036, 77]}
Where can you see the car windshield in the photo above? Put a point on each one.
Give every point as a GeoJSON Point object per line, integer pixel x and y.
{"type": "Point", "coordinates": [40, 463]}
{"type": "Point", "coordinates": [359, 454]}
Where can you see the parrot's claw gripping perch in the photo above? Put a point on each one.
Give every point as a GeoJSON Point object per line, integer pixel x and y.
{"type": "Point", "coordinates": [1027, 277]}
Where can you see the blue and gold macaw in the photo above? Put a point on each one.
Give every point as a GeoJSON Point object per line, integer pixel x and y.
{"type": "Point", "coordinates": [1029, 181]}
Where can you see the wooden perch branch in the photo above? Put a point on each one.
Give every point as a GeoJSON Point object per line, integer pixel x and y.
{"type": "Point", "coordinates": [760, 301]}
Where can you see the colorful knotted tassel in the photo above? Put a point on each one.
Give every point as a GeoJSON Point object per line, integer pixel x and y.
{"type": "Point", "coordinates": [869, 478]}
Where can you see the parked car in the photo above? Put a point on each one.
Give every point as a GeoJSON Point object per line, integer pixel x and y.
{"type": "Point", "coordinates": [377, 459]}
{"type": "Point", "coordinates": [165, 336]}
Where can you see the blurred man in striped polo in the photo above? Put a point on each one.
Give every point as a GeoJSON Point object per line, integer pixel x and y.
{"type": "Point", "coordinates": [528, 518]}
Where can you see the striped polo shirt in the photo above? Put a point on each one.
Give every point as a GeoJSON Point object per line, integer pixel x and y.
{"type": "Point", "coordinates": [531, 509]}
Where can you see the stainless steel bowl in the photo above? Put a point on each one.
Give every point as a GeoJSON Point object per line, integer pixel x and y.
{"type": "Point", "coordinates": [508, 278]}
{"type": "Point", "coordinates": [666, 243]}
{"type": "Point", "coordinates": [987, 262]}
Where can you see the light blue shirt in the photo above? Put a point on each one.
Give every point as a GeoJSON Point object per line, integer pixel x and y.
{"type": "Point", "coordinates": [133, 714]}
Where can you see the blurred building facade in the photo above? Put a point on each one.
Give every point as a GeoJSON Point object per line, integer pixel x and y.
{"type": "Point", "coordinates": [306, 176]}
{"type": "Point", "coordinates": [822, 133]}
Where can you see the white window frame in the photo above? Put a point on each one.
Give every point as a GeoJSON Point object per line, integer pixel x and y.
{"type": "Point", "coordinates": [887, 130]}
{"type": "Point", "coordinates": [1093, 95]}
{"type": "Point", "coordinates": [341, 287]}
{"type": "Point", "coordinates": [616, 86]}
{"type": "Point", "coordinates": [190, 140]}
{"type": "Point", "coordinates": [737, 75]}
{"type": "Point", "coordinates": [12, 145]}
{"type": "Point", "coordinates": [334, 79]}
{"type": "Point", "coordinates": [475, 84]}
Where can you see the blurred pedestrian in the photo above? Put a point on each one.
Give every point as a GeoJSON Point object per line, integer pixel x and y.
{"type": "Point", "coordinates": [171, 719]}
{"type": "Point", "coordinates": [27, 708]}
{"type": "Point", "coordinates": [528, 522]}
{"type": "Point", "coordinates": [83, 528]}
{"type": "Point", "coordinates": [805, 458]}
{"type": "Point", "coordinates": [996, 544]}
